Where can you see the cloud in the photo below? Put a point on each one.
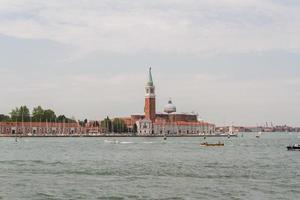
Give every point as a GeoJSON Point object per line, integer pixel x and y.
{"type": "Point", "coordinates": [113, 38]}
{"type": "Point", "coordinates": [178, 27]}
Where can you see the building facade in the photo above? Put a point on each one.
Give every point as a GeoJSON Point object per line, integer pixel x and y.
{"type": "Point", "coordinates": [148, 128]}
{"type": "Point", "coordinates": [40, 128]}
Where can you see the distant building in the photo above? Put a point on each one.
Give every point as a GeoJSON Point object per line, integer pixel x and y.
{"type": "Point", "coordinates": [168, 123]}
{"type": "Point", "coordinates": [40, 128]}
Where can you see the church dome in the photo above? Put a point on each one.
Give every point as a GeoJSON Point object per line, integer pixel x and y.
{"type": "Point", "coordinates": [170, 107]}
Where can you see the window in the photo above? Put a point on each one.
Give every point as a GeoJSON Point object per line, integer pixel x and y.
{"type": "Point", "coordinates": [145, 125]}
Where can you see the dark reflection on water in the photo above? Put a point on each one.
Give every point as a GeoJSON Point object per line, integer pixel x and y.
{"type": "Point", "coordinates": [147, 168]}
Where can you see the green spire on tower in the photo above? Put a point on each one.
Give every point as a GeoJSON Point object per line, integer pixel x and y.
{"type": "Point", "coordinates": [150, 81]}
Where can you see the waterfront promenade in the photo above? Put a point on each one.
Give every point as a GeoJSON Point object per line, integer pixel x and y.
{"type": "Point", "coordinates": [45, 129]}
{"type": "Point", "coordinates": [69, 135]}
{"type": "Point", "coordinates": [115, 135]}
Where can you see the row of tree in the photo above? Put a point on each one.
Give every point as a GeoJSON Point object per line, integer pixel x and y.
{"type": "Point", "coordinates": [38, 114]}
{"type": "Point", "coordinates": [116, 125]}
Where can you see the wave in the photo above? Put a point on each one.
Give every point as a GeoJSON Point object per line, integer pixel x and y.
{"type": "Point", "coordinates": [114, 197]}
{"type": "Point", "coordinates": [117, 142]}
{"type": "Point", "coordinates": [31, 162]}
{"type": "Point", "coordinates": [126, 142]}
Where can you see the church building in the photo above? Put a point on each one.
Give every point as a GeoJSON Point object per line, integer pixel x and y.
{"type": "Point", "coordinates": [168, 123]}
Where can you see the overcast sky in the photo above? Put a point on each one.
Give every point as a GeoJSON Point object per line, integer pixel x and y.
{"type": "Point", "coordinates": [231, 61]}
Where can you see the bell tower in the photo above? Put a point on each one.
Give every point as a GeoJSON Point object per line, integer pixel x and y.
{"type": "Point", "coordinates": [150, 98]}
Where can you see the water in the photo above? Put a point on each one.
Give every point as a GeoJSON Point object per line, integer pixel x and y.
{"type": "Point", "coordinates": [147, 168]}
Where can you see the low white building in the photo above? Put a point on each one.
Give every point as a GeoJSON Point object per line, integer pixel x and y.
{"type": "Point", "coordinates": [146, 127]}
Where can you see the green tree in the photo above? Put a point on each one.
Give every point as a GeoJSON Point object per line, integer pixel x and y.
{"type": "Point", "coordinates": [4, 118]}
{"type": "Point", "coordinates": [119, 126]}
{"type": "Point", "coordinates": [20, 114]}
{"type": "Point", "coordinates": [49, 116]}
{"type": "Point", "coordinates": [106, 124]}
{"type": "Point", "coordinates": [64, 119]}
{"type": "Point", "coordinates": [14, 114]}
{"type": "Point", "coordinates": [61, 118]}
{"type": "Point", "coordinates": [38, 114]}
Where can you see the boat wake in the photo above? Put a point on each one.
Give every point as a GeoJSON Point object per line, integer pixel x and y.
{"type": "Point", "coordinates": [126, 142]}
{"type": "Point", "coordinates": [117, 142]}
{"type": "Point", "coordinates": [112, 141]}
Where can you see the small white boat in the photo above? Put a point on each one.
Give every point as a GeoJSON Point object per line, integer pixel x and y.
{"type": "Point", "coordinates": [113, 141]}
{"type": "Point", "coordinates": [258, 134]}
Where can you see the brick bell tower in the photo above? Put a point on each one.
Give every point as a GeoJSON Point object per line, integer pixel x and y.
{"type": "Point", "coordinates": [150, 99]}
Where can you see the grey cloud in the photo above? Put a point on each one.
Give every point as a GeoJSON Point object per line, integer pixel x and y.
{"type": "Point", "coordinates": [193, 27]}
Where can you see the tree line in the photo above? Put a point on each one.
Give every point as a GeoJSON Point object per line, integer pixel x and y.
{"type": "Point", "coordinates": [38, 114]}
{"type": "Point", "coordinates": [117, 125]}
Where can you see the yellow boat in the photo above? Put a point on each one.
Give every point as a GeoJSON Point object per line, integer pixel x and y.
{"type": "Point", "coordinates": [219, 144]}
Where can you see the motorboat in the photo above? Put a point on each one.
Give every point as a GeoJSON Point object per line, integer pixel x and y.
{"type": "Point", "coordinates": [212, 144]}
{"type": "Point", "coordinates": [165, 137]}
{"type": "Point", "coordinates": [293, 147]}
{"type": "Point", "coordinates": [258, 134]}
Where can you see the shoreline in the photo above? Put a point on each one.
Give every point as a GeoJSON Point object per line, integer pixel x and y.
{"type": "Point", "coordinates": [115, 135]}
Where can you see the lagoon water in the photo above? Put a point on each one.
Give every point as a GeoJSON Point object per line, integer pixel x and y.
{"type": "Point", "coordinates": [147, 168]}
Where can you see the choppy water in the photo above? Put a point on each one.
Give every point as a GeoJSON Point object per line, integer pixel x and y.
{"type": "Point", "coordinates": [146, 168]}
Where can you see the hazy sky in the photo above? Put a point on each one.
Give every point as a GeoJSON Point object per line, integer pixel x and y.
{"type": "Point", "coordinates": [232, 61]}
